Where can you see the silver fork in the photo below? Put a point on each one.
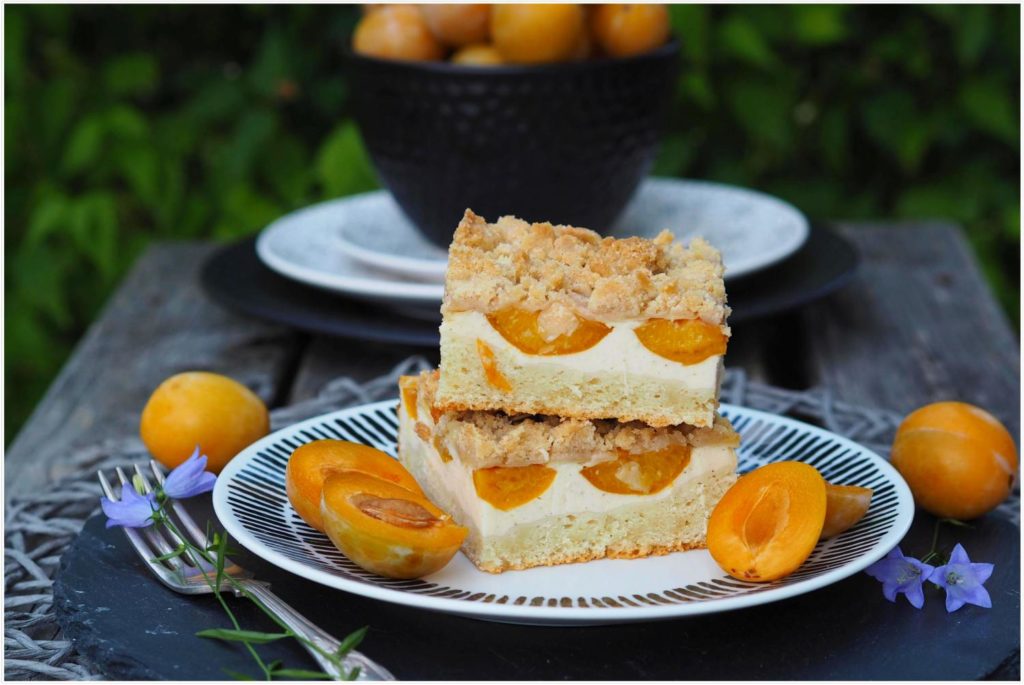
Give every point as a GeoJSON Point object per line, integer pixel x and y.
{"type": "Point", "coordinates": [181, 575]}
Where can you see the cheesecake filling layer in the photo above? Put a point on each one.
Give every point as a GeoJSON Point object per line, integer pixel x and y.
{"type": "Point", "coordinates": [619, 353]}
{"type": "Point", "coordinates": [570, 493]}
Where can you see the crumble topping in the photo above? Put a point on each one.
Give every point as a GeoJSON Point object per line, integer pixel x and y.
{"type": "Point", "coordinates": [482, 439]}
{"type": "Point", "coordinates": [536, 266]}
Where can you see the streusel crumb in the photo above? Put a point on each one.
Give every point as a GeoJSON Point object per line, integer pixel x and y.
{"type": "Point", "coordinates": [534, 266]}
{"type": "Point", "coordinates": [484, 439]}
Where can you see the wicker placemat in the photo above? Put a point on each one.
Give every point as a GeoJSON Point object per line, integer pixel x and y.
{"type": "Point", "coordinates": [39, 527]}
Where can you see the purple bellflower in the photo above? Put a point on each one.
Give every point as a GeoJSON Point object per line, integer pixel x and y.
{"type": "Point", "coordinates": [190, 478]}
{"type": "Point", "coordinates": [901, 574]}
{"type": "Point", "coordinates": [963, 581]}
{"type": "Point", "coordinates": [132, 511]}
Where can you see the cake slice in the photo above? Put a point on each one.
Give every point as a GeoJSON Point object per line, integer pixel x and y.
{"type": "Point", "coordinates": [557, 320]}
{"type": "Point", "coordinates": [544, 490]}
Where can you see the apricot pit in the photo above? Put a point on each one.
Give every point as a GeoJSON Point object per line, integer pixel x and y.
{"type": "Point", "coordinates": [311, 464]}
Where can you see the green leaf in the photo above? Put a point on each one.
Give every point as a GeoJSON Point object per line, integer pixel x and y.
{"type": "Point", "coordinates": [972, 32]}
{"type": "Point", "coordinates": [131, 74]}
{"type": "Point", "coordinates": [253, 133]}
{"type": "Point", "coordinates": [126, 122]}
{"type": "Point", "coordinates": [342, 164]}
{"type": "Point", "coordinates": [15, 34]}
{"type": "Point", "coordinates": [86, 142]}
{"type": "Point", "coordinates": [48, 217]}
{"type": "Point", "coordinates": [237, 675]}
{"type": "Point", "coordinates": [674, 157]}
{"type": "Point", "coordinates": [351, 641]}
{"type": "Point", "coordinates": [221, 541]}
{"type": "Point", "coordinates": [989, 103]}
{"type": "Point", "coordinates": [698, 88]}
{"type": "Point", "coordinates": [835, 135]}
{"type": "Point", "coordinates": [173, 554]}
{"type": "Point", "coordinates": [742, 40]}
{"type": "Point", "coordinates": [764, 109]}
{"type": "Point", "coordinates": [300, 674]}
{"type": "Point", "coordinates": [251, 636]}
{"type": "Point", "coordinates": [893, 121]}
{"type": "Point", "coordinates": [819, 24]}
{"type": "Point", "coordinates": [690, 24]}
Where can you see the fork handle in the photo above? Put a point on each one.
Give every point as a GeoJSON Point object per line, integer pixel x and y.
{"type": "Point", "coordinates": [303, 627]}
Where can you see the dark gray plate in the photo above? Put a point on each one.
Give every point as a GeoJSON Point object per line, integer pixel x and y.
{"type": "Point", "coordinates": [235, 278]}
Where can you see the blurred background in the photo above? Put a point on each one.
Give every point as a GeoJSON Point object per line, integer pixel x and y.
{"type": "Point", "coordinates": [126, 125]}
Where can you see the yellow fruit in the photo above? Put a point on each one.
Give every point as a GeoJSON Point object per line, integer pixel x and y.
{"type": "Point", "coordinates": [508, 487]}
{"type": "Point", "coordinates": [959, 461]}
{"type": "Point", "coordinates": [536, 34]}
{"type": "Point", "coordinates": [624, 30]}
{"type": "Point", "coordinates": [396, 32]}
{"type": "Point", "coordinates": [522, 328]}
{"type": "Point", "coordinates": [687, 341]}
{"type": "Point", "coordinates": [846, 506]}
{"type": "Point", "coordinates": [458, 25]}
{"type": "Point", "coordinates": [478, 56]}
{"type": "Point", "coordinates": [385, 528]}
{"type": "Point", "coordinates": [768, 522]}
{"type": "Point", "coordinates": [219, 415]}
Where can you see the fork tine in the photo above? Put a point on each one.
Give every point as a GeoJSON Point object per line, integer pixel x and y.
{"type": "Point", "coordinates": [138, 544]}
{"type": "Point", "coordinates": [197, 533]}
{"type": "Point", "coordinates": [155, 538]}
{"type": "Point", "coordinates": [108, 490]}
{"type": "Point", "coordinates": [142, 477]}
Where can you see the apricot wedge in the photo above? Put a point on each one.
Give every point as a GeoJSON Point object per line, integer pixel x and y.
{"type": "Point", "coordinates": [312, 463]}
{"type": "Point", "coordinates": [639, 474]}
{"type": "Point", "coordinates": [687, 341]}
{"type": "Point", "coordinates": [522, 328]}
{"type": "Point", "coordinates": [490, 365]}
{"type": "Point", "coordinates": [846, 504]}
{"type": "Point", "coordinates": [508, 487]}
{"type": "Point", "coordinates": [385, 528]}
{"type": "Point", "coordinates": [769, 521]}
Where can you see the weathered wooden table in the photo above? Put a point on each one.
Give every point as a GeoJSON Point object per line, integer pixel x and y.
{"type": "Point", "coordinates": [917, 325]}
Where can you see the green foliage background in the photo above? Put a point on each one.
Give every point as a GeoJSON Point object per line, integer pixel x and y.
{"type": "Point", "coordinates": [130, 124]}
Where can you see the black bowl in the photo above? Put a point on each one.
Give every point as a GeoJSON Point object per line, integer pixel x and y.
{"type": "Point", "coordinates": [566, 143]}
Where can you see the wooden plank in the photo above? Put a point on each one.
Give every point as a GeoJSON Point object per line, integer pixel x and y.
{"type": "Point", "coordinates": [328, 358]}
{"type": "Point", "coordinates": [156, 324]}
{"type": "Point", "coordinates": [918, 325]}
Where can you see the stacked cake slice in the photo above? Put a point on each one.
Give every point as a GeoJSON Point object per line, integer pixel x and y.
{"type": "Point", "coordinates": [574, 415]}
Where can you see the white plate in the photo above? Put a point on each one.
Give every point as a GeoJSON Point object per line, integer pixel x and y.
{"type": "Point", "coordinates": [304, 246]}
{"type": "Point", "coordinates": [251, 503]}
{"type": "Point", "coordinates": [365, 247]}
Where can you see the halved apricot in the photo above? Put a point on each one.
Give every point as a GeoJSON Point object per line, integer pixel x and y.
{"type": "Point", "coordinates": [639, 474]}
{"type": "Point", "coordinates": [508, 487]}
{"type": "Point", "coordinates": [687, 341]}
{"type": "Point", "coordinates": [522, 329]}
{"type": "Point", "coordinates": [312, 463]}
{"type": "Point", "coordinates": [846, 504]}
{"type": "Point", "coordinates": [490, 363]}
{"type": "Point", "coordinates": [768, 522]}
{"type": "Point", "coordinates": [385, 528]}
{"type": "Point", "coordinates": [407, 387]}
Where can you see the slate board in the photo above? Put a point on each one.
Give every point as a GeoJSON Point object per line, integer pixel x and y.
{"type": "Point", "coordinates": [235, 278]}
{"type": "Point", "coordinates": [134, 629]}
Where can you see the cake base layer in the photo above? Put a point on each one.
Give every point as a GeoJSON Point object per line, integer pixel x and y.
{"type": "Point", "coordinates": [644, 529]}
{"type": "Point", "coordinates": [542, 385]}
{"type": "Point", "coordinates": [572, 521]}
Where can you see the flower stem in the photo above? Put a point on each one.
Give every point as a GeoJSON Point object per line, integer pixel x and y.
{"type": "Point", "coordinates": [217, 560]}
{"type": "Point", "coordinates": [933, 553]}
{"type": "Point", "coordinates": [194, 551]}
